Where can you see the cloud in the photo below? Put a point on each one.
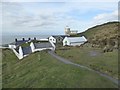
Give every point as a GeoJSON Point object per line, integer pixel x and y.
{"type": "Point", "coordinates": [53, 17]}
{"type": "Point", "coordinates": [105, 17]}
{"type": "Point", "coordinates": [44, 24]}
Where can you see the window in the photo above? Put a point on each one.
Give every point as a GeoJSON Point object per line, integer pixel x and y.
{"type": "Point", "coordinates": [65, 42]}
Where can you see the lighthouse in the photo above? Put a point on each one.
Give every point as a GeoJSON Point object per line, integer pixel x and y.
{"type": "Point", "coordinates": [70, 32]}
{"type": "Point", "coordinates": [67, 30]}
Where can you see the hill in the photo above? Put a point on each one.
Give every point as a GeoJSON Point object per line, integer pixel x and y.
{"type": "Point", "coordinates": [40, 70]}
{"type": "Point", "coordinates": [103, 35]}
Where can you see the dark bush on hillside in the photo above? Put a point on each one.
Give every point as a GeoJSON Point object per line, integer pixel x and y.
{"type": "Point", "coordinates": [107, 49]}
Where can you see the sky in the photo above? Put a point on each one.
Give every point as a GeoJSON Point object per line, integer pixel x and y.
{"type": "Point", "coordinates": [48, 17]}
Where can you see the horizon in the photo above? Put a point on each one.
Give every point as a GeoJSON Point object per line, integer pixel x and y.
{"type": "Point", "coordinates": [21, 34]}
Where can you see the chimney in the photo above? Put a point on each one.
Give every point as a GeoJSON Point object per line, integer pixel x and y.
{"type": "Point", "coordinates": [29, 38]}
{"type": "Point", "coordinates": [34, 38]}
{"type": "Point", "coordinates": [23, 39]}
{"type": "Point", "coordinates": [15, 39]}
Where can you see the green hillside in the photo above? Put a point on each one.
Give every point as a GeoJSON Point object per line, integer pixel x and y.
{"type": "Point", "coordinates": [40, 70]}
{"type": "Point", "coordinates": [103, 35]}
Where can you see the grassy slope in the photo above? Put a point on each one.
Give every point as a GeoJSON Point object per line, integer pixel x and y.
{"type": "Point", "coordinates": [101, 34]}
{"type": "Point", "coordinates": [41, 70]}
{"type": "Point", "coordinates": [104, 62]}
{"type": "Point", "coordinates": [108, 30]}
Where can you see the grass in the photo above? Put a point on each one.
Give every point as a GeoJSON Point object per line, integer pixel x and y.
{"type": "Point", "coordinates": [103, 35]}
{"type": "Point", "coordinates": [109, 29]}
{"type": "Point", "coordinates": [40, 70]}
{"type": "Point", "coordinates": [93, 58]}
{"type": "Point", "coordinates": [25, 44]}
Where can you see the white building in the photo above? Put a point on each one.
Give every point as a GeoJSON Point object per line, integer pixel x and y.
{"type": "Point", "coordinates": [74, 41]}
{"type": "Point", "coordinates": [57, 38]}
{"type": "Point", "coordinates": [22, 52]}
{"type": "Point", "coordinates": [68, 31]}
{"type": "Point", "coordinates": [52, 39]}
{"type": "Point", "coordinates": [41, 46]}
{"type": "Point", "coordinates": [18, 52]}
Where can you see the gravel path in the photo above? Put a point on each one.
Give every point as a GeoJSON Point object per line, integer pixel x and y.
{"type": "Point", "coordinates": [66, 61]}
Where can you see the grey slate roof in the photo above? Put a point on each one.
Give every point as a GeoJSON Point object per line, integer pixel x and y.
{"type": "Point", "coordinates": [77, 39]}
{"type": "Point", "coordinates": [42, 45]}
{"type": "Point", "coordinates": [26, 50]}
{"type": "Point", "coordinates": [62, 36]}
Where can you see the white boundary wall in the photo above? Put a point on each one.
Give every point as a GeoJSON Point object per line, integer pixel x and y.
{"type": "Point", "coordinates": [32, 47]}
{"type": "Point", "coordinates": [17, 54]}
{"type": "Point", "coordinates": [53, 45]}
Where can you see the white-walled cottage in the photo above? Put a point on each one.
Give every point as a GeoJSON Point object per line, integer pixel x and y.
{"type": "Point", "coordinates": [74, 41]}
{"type": "Point", "coordinates": [57, 38]}
{"type": "Point", "coordinates": [21, 50]}
{"type": "Point", "coordinates": [41, 46]}
{"type": "Point", "coordinates": [52, 39]}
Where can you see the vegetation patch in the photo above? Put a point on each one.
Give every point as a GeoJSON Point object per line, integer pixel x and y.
{"type": "Point", "coordinates": [25, 44]}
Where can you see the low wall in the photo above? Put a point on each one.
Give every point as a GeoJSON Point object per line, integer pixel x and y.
{"type": "Point", "coordinates": [17, 54]}
{"type": "Point", "coordinates": [53, 45]}
{"type": "Point", "coordinates": [40, 49]}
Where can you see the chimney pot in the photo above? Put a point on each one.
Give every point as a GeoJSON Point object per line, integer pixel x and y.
{"type": "Point", "coordinates": [29, 38]}
{"type": "Point", "coordinates": [23, 39]}
{"type": "Point", "coordinates": [34, 38]}
{"type": "Point", "coordinates": [15, 39]}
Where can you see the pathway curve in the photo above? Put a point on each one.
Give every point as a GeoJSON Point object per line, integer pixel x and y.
{"type": "Point", "coordinates": [66, 61]}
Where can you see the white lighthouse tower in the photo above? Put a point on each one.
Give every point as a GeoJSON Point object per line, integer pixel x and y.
{"type": "Point", "coordinates": [67, 30]}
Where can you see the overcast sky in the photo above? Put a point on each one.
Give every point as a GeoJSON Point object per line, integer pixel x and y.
{"type": "Point", "coordinates": [51, 17]}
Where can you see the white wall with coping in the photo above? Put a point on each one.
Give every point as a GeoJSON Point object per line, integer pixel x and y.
{"type": "Point", "coordinates": [42, 49]}
{"type": "Point", "coordinates": [53, 45]}
{"type": "Point", "coordinates": [32, 47]}
{"type": "Point", "coordinates": [12, 46]}
{"type": "Point", "coordinates": [43, 39]}
{"type": "Point", "coordinates": [19, 55]}
{"type": "Point", "coordinates": [21, 52]}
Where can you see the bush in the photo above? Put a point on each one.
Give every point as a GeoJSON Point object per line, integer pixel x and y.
{"type": "Point", "coordinates": [107, 49]}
